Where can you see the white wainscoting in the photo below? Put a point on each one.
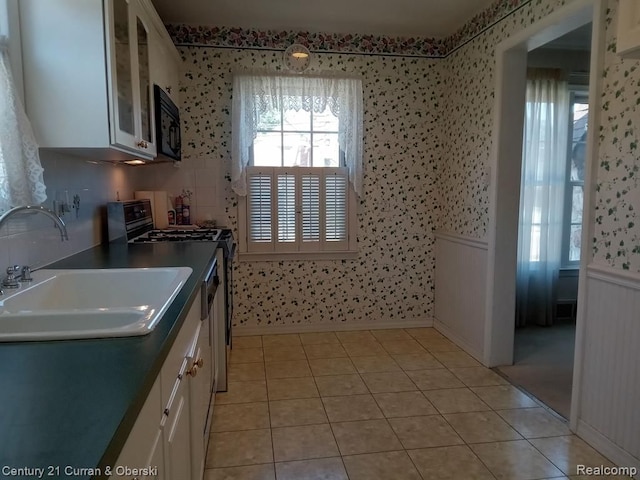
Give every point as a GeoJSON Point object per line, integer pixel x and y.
{"type": "Point", "coordinates": [609, 408]}
{"type": "Point", "coordinates": [460, 290]}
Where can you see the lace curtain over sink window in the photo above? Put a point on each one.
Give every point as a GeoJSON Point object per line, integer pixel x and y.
{"type": "Point", "coordinates": [254, 94]}
{"type": "Point", "coordinates": [21, 180]}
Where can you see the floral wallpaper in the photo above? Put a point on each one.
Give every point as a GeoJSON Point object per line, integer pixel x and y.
{"type": "Point", "coordinates": [235, 37]}
{"type": "Point", "coordinates": [469, 100]}
{"type": "Point", "coordinates": [327, 42]}
{"type": "Point", "coordinates": [428, 137]}
{"type": "Point", "coordinates": [483, 20]}
{"type": "Point", "coordinates": [469, 96]}
{"type": "Point", "coordinates": [392, 280]}
{"type": "Point", "coordinates": [617, 199]}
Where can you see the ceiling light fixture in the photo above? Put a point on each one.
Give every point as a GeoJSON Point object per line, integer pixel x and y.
{"type": "Point", "coordinates": [297, 58]}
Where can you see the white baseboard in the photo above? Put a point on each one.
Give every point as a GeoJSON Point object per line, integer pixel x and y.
{"type": "Point", "coordinates": [242, 330]}
{"type": "Point", "coordinates": [447, 332]}
{"type": "Point", "coordinates": [607, 448]}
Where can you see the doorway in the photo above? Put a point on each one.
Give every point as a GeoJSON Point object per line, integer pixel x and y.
{"type": "Point", "coordinates": [512, 58]}
{"type": "Point", "coordinates": [550, 219]}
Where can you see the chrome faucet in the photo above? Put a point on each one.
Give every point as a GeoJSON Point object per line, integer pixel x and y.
{"type": "Point", "coordinates": [37, 209]}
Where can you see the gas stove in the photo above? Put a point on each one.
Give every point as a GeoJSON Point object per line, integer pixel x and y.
{"type": "Point", "coordinates": [132, 222]}
{"type": "Point", "coordinates": [179, 235]}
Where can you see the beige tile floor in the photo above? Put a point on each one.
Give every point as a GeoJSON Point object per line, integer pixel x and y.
{"type": "Point", "coordinates": [380, 405]}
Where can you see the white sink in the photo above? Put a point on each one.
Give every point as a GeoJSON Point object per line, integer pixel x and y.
{"type": "Point", "coordinates": [65, 304]}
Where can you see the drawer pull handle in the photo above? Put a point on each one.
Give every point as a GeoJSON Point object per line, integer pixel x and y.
{"type": "Point", "coordinates": [193, 371]}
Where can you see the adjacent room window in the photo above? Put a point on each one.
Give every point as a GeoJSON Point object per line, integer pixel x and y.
{"type": "Point", "coordinates": [574, 190]}
{"type": "Point", "coordinates": [297, 165]}
{"type": "Point", "coordinates": [542, 194]}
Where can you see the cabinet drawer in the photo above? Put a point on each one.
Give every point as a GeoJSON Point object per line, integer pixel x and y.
{"type": "Point", "coordinates": [181, 349]}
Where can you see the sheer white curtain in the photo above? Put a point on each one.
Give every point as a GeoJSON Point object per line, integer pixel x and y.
{"type": "Point", "coordinates": [21, 181]}
{"type": "Point", "coordinates": [542, 196]}
{"type": "Point", "coordinates": [257, 93]}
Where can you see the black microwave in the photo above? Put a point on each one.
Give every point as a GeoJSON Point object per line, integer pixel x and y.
{"type": "Point", "coordinates": [167, 125]}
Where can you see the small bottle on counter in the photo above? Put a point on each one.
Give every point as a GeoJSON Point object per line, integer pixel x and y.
{"type": "Point", "coordinates": [178, 205]}
{"type": "Point", "coordinates": [186, 211]}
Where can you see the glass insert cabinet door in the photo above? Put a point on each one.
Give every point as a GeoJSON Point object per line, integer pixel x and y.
{"type": "Point", "coordinates": [124, 85]}
{"type": "Point", "coordinates": [131, 88]}
{"type": "Point", "coordinates": [145, 81]}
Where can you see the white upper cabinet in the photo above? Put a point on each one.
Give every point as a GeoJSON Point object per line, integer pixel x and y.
{"type": "Point", "coordinates": [165, 67]}
{"type": "Point", "coordinates": [89, 71]}
{"type": "Point", "coordinates": [129, 74]}
{"type": "Point", "coordinates": [628, 41]}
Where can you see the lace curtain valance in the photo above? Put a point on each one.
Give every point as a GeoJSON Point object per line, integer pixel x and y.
{"type": "Point", "coordinates": [21, 180]}
{"type": "Point", "coordinates": [256, 94]}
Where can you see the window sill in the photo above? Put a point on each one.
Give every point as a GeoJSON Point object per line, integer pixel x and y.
{"type": "Point", "coordinates": [570, 270]}
{"type": "Point", "coordinates": [296, 256]}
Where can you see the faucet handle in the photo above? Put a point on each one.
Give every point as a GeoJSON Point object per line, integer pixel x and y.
{"type": "Point", "coordinates": [12, 270]}
{"type": "Point", "coordinates": [11, 281]}
{"type": "Point", "coordinates": [26, 274]}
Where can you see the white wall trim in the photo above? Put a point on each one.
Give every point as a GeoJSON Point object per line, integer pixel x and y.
{"type": "Point", "coordinates": [451, 335]}
{"type": "Point", "coordinates": [607, 448]}
{"type": "Point", "coordinates": [242, 330]}
{"type": "Point", "coordinates": [462, 239]}
{"type": "Point", "coordinates": [622, 278]}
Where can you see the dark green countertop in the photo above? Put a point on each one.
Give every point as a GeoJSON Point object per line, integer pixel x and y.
{"type": "Point", "coordinates": [73, 403]}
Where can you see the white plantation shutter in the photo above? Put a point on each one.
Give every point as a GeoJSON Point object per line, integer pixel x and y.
{"type": "Point", "coordinates": [336, 201]}
{"type": "Point", "coordinates": [299, 209]}
{"type": "Point", "coordinates": [260, 212]}
{"type": "Point", "coordinates": [286, 200]}
{"type": "Point", "coordinates": [310, 209]}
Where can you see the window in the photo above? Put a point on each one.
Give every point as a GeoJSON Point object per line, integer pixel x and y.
{"type": "Point", "coordinates": [297, 157]}
{"type": "Point", "coordinates": [574, 190]}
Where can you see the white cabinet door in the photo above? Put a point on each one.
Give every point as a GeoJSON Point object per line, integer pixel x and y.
{"type": "Point", "coordinates": [177, 429]}
{"type": "Point", "coordinates": [156, 458]}
{"type": "Point", "coordinates": [143, 448]}
{"type": "Point", "coordinates": [131, 94]}
{"type": "Point", "coordinates": [628, 41]}
{"type": "Point", "coordinates": [165, 67]}
{"type": "Point", "coordinates": [200, 386]}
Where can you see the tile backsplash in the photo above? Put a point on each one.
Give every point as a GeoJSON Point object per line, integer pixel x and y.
{"type": "Point", "coordinates": [33, 239]}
